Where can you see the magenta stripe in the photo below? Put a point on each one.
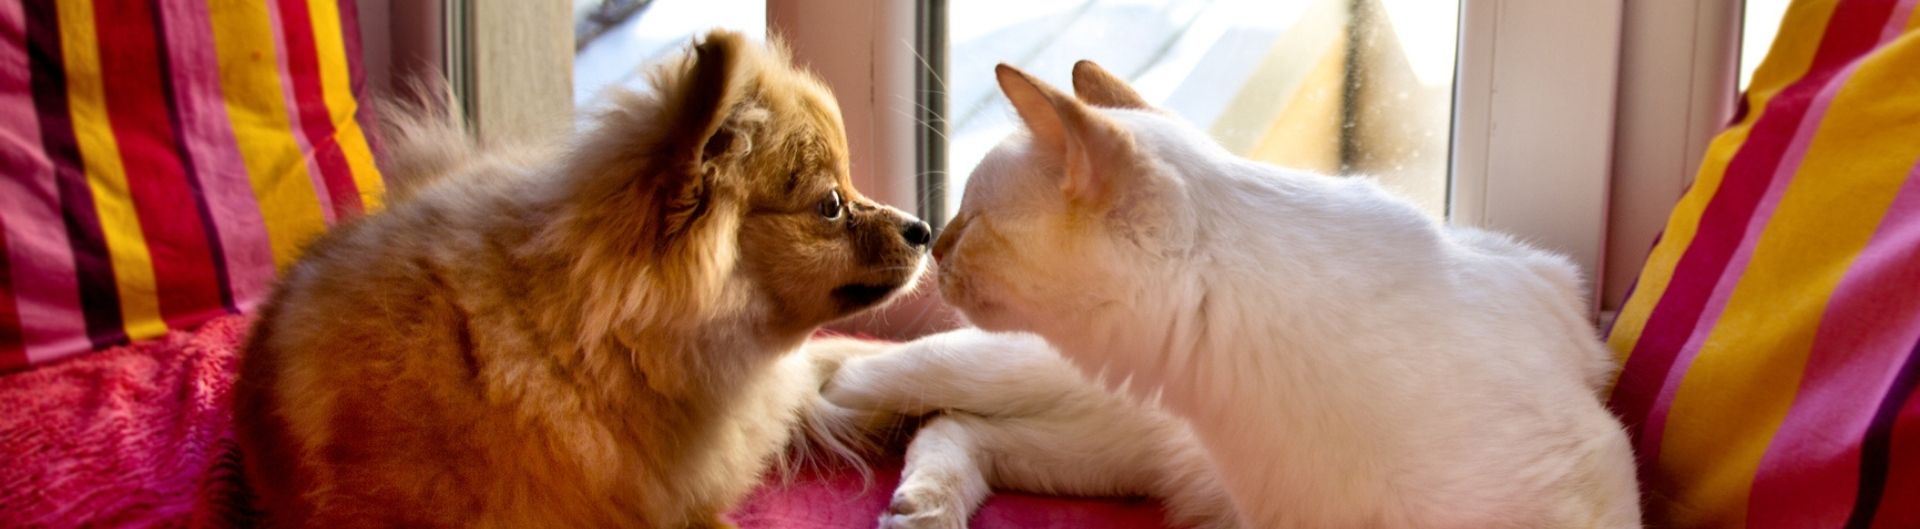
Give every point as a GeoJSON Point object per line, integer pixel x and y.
{"type": "Point", "coordinates": [13, 351]}
{"type": "Point", "coordinates": [350, 37]}
{"type": "Point", "coordinates": [207, 134]}
{"type": "Point", "coordinates": [1897, 22]}
{"type": "Point", "coordinates": [1808, 476]}
{"type": "Point", "coordinates": [99, 293]}
{"type": "Point", "coordinates": [350, 26]}
{"type": "Point", "coordinates": [1796, 153]}
{"type": "Point", "coordinates": [1877, 448]}
{"type": "Point", "coordinates": [293, 113]}
{"type": "Point", "coordinates": [46, 292]}
{"type": "Point", "coordinates": [1901, 462]}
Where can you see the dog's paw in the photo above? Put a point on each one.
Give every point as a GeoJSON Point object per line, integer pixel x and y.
{"type": "Point", "coordinates": [924, 508]}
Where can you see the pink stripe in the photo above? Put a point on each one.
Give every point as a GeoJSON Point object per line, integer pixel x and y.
{"type": "Point", "coordinates": [209, 140]}
{"type": "Point", "coordinates": [293, 113]}
{"type": "Point", "coordinates": [1795, 154]}
{"type": "Point", "coordinates": [47, 293]}
{"type": "Point", "coordinates": [1897, 22]}
{"type": "Point", "coordinates": [1810, 472]}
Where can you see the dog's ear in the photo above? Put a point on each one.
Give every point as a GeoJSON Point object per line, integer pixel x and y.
{"type": "Point", "coordinates": [710, 91]}
{"type": "Point", "coordinates": [1101, 88]}
{"type": "Point", "coordinates": [712, 88]}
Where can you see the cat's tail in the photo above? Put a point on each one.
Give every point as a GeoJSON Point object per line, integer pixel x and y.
{"type": "Point", "coordinates": [424, 138]}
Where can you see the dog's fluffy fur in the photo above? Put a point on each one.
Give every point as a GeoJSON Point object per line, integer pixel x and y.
{"type": "Point", "coordinates": [600, 334]}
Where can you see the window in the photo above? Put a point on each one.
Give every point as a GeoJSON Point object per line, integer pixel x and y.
{"type": "Point", "coordinates": [615, 39]}
{"type": "Point", "coordinates": [1493, 113]}
{"type": "Point", "coordinates": [1759, 23]}
{"type": "Point", "coordinates": [1333, 86]}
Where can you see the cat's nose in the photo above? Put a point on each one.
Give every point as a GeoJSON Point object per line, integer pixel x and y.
{"type": "Point", "coordinates": [917, 233]}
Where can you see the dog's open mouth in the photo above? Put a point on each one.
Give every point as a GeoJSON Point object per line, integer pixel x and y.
{"type": "Point", "coordinates": [860, 295]}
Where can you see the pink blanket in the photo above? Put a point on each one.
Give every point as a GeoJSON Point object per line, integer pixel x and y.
{"type": "Point", "coordinates": [139, 437]}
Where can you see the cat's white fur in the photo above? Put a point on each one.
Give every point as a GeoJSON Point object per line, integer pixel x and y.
{"type": "Point", "coordinates": [1347, 360]}
{"type": "Point", "coordinates": [1006, 411]}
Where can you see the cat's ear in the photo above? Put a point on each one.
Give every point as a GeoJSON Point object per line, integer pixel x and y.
{"type": "Point", "coordinates": [1101, 88]}
{"type": "Point", "coordinates": [1033, 100]}
{"type": "Point", "coordinates": [1096, 150]}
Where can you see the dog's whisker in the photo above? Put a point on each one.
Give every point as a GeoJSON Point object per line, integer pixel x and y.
{"type": "Point", "coordinates": [930, 128]}
{"type": "Point", "coordinates": [924, 63]}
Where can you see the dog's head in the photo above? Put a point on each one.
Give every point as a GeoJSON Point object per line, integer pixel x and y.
{"type": "Point", "coordinates": [726, 191]}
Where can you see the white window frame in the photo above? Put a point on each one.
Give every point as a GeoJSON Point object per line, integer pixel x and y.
{"type": "Point", "coordinates": [863, 49]}
{"type": "Point", "coordinates": [1534, 122]}
{"type": "Point", "coordinates": [1679, 65]}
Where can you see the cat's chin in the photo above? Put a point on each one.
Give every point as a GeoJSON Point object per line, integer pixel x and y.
{"type": "Point", "coordinates": [986, 316]}
{"type": "Point", "coordinates": [967, 305]}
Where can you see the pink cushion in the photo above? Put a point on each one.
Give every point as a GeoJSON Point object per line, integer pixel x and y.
{"type": "Point", "coordinates": [839, 500]}
{"type": "Point", "coordinates": [140, 436]}
{"type": "Point", "coordinates": [1771, 347]}
{"type": "Point", "coordinates": [160, 161]}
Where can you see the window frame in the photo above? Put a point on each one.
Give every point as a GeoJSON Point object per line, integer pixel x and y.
{"type": "Point", "coordinates": [1532, 152]}
{"type": "Point", "coordinates": [1575, 125]}
{"type": "Point", "coordinates": [1534, 112]}
{"type": "Point", "coordinates": [1671, 106]}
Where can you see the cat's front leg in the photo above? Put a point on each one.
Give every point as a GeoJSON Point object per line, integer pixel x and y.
{"type": "Point", "coordinates": [943, 481]}
{"type": "Point", "coordinates": [990, 374]}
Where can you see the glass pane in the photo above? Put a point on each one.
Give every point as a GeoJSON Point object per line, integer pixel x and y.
{"type": "Point", "coordinates": [1359, 87]}
{"type": "Point", "coordinates": [614, 38]}
{"type": "Point", "coordinates": [1758, 25]}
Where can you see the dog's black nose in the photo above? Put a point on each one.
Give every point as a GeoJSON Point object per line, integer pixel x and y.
{"type": "Point", "coordinates": [917, 233]}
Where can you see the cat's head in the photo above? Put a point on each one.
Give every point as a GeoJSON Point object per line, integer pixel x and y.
{"type": "Point", "coordinates": [1064, 216]}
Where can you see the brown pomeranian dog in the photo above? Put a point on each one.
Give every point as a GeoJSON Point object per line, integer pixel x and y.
{"type": "Point", "coordinates": [604, 335]}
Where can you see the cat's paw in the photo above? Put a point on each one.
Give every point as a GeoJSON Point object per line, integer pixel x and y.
{"type": "Point", "coordinates": [924, 508]}
{"type": "Point", "coordinates": [828, 352]}
{"type": "Point", "coordinates": [876, 383]}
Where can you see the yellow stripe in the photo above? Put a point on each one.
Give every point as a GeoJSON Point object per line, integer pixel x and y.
{"type": "Point", "coordinates": [337, 85]}
{"type": "Point", "coordinates": [106, 176]}
{"type": "Point", "coordinates": [1743, 382]}
{"type": "Point", "coordinates": [1788, 61]}
{"type": "Point", "coordinates": [256, 102]}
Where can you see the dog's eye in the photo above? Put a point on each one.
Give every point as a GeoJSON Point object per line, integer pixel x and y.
{"type": "Point", "coordinates": [831, 207]}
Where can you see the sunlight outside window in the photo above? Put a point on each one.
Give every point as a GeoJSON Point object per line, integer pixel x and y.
{"type": "Point", "coordinates": [1335, 86]}
{"type": "Point", "coordinates": [615, 38]}
{"type": "Point", "coordinates": [1759, 24]}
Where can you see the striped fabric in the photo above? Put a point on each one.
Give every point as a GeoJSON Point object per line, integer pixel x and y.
{"type": "Point", "coordinates": [159, 159]}
{"type": "Point", "coordinates": [1772, 344]}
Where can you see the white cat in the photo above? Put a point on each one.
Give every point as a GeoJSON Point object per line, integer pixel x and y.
{"type": "Point", "coordinates": [1346, 361]}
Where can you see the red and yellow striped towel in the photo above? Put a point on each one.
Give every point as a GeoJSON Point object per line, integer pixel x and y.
{"type": "Point", "coordinates": [159, 159]}
{"type": "Point", "coordinates": [1769, 347]}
